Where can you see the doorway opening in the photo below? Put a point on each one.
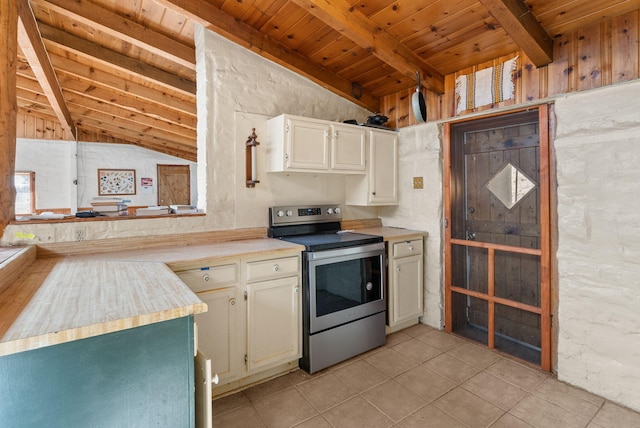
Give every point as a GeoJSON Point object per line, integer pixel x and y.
{"type": "Point", "coordinates": [497, 236]}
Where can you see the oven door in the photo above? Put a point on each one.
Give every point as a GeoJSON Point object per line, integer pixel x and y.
{"type": "Point", "coordinates": [345, 284]}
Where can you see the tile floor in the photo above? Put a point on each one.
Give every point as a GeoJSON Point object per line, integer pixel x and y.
{"type": "Point", "coordinates": [421, 378]}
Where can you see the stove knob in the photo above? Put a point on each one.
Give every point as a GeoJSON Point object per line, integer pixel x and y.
{"type": "Point", "coordinates": [280, 213]}
{"type": "Point", "coordinates": [329, 211]}
{"type": "Point", "coordinates": [289, 213]}
{"type": "Point", "coordinates": [336, 210]}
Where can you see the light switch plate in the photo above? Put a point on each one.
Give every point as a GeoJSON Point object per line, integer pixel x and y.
{"type": "Point", "coordinates": [418, 183]}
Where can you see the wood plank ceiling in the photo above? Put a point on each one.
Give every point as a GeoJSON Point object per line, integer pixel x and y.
{"type": "Point", "coordinates": [122, 71]}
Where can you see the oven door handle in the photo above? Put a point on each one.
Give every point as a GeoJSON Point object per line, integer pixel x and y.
{"type": "Point", "coordinates": [359, 250]}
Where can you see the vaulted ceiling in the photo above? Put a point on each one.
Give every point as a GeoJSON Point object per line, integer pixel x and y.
{"type": "Point", "coordinates": [123, 71]}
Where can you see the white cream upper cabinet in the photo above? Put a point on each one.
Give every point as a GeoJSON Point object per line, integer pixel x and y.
{"type": "Point", "coordinates": [300, 144]}
{"type": "Point", "coordinates": [380, 184]}
{"type": "Point", "coordinates": [348, 148]}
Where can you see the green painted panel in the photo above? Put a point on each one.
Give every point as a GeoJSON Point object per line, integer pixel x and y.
{"type": "Point", "coordinates": [140, 377]}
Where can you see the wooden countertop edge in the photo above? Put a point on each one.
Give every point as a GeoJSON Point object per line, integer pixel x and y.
{"type": "Point", "coordinates": [49, 339]}
{"type": "Point", "coordinates": [13, 267]}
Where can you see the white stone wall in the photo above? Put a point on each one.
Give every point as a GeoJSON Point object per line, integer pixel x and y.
{"type": "Point", "coordinates": [420, 155]}
{"type": "Point", "coordinates": [598, 154]}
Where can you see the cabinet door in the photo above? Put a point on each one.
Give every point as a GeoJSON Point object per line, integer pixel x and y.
{"type": "Point", "coordinates": [383, 175]}
{"type": "Point", "coordinates": [348, 145]}
{"type": "Point", "coordinates": [274, 322]}
{"type": "Point", "coordinates": [308, 145]}
{"type": "Point", "coordinates": [406, 289]}
{"type": "Point", "coordinates": [218, 332]}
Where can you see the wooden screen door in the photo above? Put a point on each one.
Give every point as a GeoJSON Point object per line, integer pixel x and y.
{"type": "Point", "coordinates": [497, 233]}
{"type": "Point", "coordinates": [174, 185]}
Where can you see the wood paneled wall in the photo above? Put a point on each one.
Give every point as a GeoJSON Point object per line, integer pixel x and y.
{"type": "Point", "coordinates": [598, 55]}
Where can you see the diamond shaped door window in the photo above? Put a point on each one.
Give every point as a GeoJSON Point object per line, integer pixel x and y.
{"type": "Point", "coordinates": [510, 185]}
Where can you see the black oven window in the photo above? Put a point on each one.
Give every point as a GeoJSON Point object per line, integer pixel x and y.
{"type": "Point", "coordinates": [347, 284]}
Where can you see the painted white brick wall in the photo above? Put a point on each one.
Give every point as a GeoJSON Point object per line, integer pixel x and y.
{"type": "Point", "coordinates": [598, 154]}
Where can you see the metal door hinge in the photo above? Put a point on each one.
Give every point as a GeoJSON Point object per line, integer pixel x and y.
{"type": "Point", "coordinates": [286, 128]}
{"type": "Point", "coordinates": [246, 359]}
{"type": "Point", "coordinates": [245, 296]}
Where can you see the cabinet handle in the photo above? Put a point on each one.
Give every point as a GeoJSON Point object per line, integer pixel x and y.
{"type": "Point", "coordinates": [276, 268]}
{"type": "Point", "coordinates": [215, 379]}
{"type": "Point", "coordinates": [398, 269]}
{"type": "Point", "coordinates": [411, 248]}
{"type": "Point", "coordinates": [232, 302]}
{"type": "Point", "coordinates": [206, 278]}
{"type": "Point", "coordinates": [297, 289]}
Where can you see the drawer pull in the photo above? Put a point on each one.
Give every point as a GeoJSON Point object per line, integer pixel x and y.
{"type": "Point", "coordinates": [206, 278]}
{"type": "Point", "coordinates": [232, 302]}
{"type": "Point", "coordinates": [410, 247]}
{"type": "Point", "coordinates": [276, 268]}
{"type": "Point", "coordinates": [398, 269]}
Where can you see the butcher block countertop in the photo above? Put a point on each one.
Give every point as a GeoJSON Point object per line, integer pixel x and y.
{"type": "Point", "coordinates": [60, 299]}
{"type": "Point", "coordinates": [69, 297]}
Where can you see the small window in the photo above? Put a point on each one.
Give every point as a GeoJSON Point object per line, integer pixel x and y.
{"type": "Point", "coordinates": [25, 183]}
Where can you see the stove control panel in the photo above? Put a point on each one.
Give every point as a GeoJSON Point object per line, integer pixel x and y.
{"type": "Point", "coordinates": [305, 214]}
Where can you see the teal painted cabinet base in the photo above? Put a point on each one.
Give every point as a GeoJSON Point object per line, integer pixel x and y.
{"type": "Point", "coordinates": [140, 377]}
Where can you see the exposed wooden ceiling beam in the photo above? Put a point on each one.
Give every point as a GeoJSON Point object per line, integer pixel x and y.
{"type": "Point", "coordinates": [354, 25]}
{"type": "Point", "coordinates": [34, 50]}
{"type": "Point", "coordinates": [123, 28]}
{"type": "Point", "coordinates": [245, 35]}
{"type": "Point", "coordinates": [525, 30]}
{"type": "Point", "coordinates": [116, 59]}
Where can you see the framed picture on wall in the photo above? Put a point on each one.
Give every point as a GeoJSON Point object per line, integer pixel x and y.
{"type": "Point", "coordinates": [116, 182]}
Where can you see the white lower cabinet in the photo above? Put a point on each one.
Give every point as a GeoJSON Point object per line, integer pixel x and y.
{"type": "Point", "coordinates": [273, 322]}
{"type": "Point", "coordinates": [406, 295]}
{"type": "Point", "coordinates": [218, 331]}
{"type": "Point", "coordinates": [254, 320]}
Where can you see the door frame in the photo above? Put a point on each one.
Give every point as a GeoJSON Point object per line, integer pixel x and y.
{"type": "Point", "coordinates": [546, 267]}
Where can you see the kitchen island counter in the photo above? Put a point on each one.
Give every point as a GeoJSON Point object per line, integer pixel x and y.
{"type": "Point", "coordinates": [62, 299]}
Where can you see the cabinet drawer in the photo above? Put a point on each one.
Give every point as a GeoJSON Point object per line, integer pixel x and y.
{"type": "Point", "coordinates": [274, 268]}
{"type": "Point", "coordinates": [209, 278]}
{"type": "Point", "coordinates": [407, 248]}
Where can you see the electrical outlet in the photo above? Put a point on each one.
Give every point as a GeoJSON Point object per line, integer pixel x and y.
{"type": "Point", "coordinates": [418, 183]}
{"type": "Point", "coordinates": [79, 234]}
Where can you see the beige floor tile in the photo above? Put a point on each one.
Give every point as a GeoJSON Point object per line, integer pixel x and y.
{"type": "Point", "coordinates": [267, 388]}
{"type": "Point", "coordinates": [315, 422]}
{"type": "Point", "coordinates": [612, 415]}
{"type": "Point", "coordinates": [495, 390]}
{"type": "Point", "coordinates": [509, 421]}
{"type": "Point", "coordinates": [326, 391]}
{"type": "Point", "coordinates": [398, 337]}
{"type": "Point", "coordinates": [360, 375]}
{"type": "Point", "coordinates": [452, 368]}
{"type": "Point", "coordinates": [468, 408]}
{"type": "Point", "coordinates": [284, 409]}
{"type": "Point", "coordinates": [230, 402]}
{"type": "Point", "coordinates": [474, 355]}
{"type": "Point", "coordinates": [356, 412]}
{"type": "Point", "coordinates": [541, 413]}
{"type": "Point", "coordinates": [417, 350]}
{"type": "Point", "coordinates": [300, 376]}
{"type": "Point", "coordinates": [425, 382]}
{"type": "Point", "coordinates": [569, 397]}
{"type": "Point", "coordinates": [418, 330]}
{"type": "Point", "coordinates": [390, 362]}
{"type": "Point", "coordinates": [242, 417]}
{"type": "Point", "coordinates": [521, 376]}
{"type": "Point", "coordinates": [430, 416]}
{"type": "Point", "coordinates": [394, 400]}
{"type": "Point", "coordinates": [440, 339]}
